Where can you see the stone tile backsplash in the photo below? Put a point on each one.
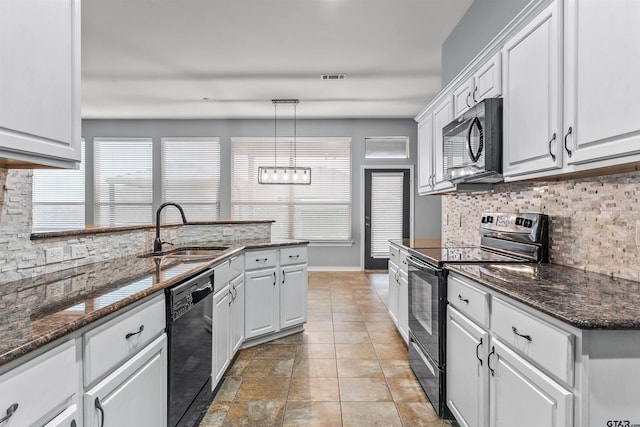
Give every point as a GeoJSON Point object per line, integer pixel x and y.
{"type": "Point", "coordinates": [20, 257]}
{"type": "Point", "coordinates": [593, 220]}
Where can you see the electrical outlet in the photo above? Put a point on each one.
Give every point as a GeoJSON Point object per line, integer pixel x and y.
{"type": "Point", "coordinates": [78, 251]}
{"type": "Point", "coordinates": [54, 255]}
{"type": "Point", "coordinates": [227, 231]}
{"type": "Point", "coordinates": [638, 232]}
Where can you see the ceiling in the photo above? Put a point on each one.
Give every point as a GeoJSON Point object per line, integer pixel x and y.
{"type": "Point", "coordinates": [160, 58]}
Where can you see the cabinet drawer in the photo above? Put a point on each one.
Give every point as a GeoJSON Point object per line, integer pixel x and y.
{"type": "Point", "coordinates": [297, 255]}
{"type": "Point", "coordinates": [221, 276]}
{"type": "Point", "coordinates": [394, 254]}
{"type": "Point", "coordinates": [469, 299]}
{"type": "Point", "coordinates": [236, 266]}
{"type": "Point", "coordinates": [107, 346]}
{"type": "Point", "coordinates": [260, 259]}
{"type": "Point", "coordinates": [544, 344]}
{"type": "Point", "coordinates": [41, 387]}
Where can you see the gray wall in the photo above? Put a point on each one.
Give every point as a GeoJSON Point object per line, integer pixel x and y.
{"type": "Point", "coordinates": [427, 213]}
{"type": "Point", "coordinates": [482, 22]}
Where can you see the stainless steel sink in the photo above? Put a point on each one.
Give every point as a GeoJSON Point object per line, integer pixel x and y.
{"type": "Point", "coordinates": [189, 253]}
{"type": "Point", "coordinates": [196, 253]}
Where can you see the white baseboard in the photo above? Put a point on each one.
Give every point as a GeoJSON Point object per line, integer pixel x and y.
{"type": "Point", "coordinates": [325, 268]}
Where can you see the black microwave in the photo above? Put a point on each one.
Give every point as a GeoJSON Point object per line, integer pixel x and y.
{"type": "Point", "coordinates": [472, 144]}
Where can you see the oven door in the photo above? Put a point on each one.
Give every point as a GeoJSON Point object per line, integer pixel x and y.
{"type": "Point", "coordinates": [427, 296]}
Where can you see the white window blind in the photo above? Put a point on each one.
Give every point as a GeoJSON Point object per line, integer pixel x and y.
{"type": "Point", "coordinates": [123, 181]}
{"type": "Point", "coordinates": [58, 198]}
{"type": "Point", "coordinates": [317, 212]}
{"type": "Point", "coordinates": [386, 211]}
{"type": "Point", "coordinates": [191, 178]}
{"type": "Point", "coordinates": [390, 147]}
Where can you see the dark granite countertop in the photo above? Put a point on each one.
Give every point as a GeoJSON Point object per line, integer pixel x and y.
{"type": "Point", "coordinates": [582, 299]}
{"type": "Point", "coordinates": [37, 311]}
{"type": "Point", "coordinates": [426, 242]}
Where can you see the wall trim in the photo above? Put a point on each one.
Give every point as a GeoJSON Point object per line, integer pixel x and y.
{"type": "Point", "coordinates": [329, 268]}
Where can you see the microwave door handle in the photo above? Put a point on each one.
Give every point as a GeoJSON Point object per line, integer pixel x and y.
{"type": "Point", "coordinates": [475, 123]}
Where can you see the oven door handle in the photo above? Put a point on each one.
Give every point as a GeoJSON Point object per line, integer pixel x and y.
{"type": "Point", "coordinates": [421, 264]}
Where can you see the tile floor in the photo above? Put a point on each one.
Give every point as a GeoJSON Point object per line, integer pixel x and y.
{"type": "Point", "coordinates": [349, 367]}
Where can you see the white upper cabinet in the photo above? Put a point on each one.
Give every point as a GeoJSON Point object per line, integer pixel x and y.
{"type": "Point", "coordinates": [442, 116]}
{"type": "Point", "coordinates": [425, 154]}
{"type": "Point", "coordinates": [39, 83]}
{"type": "Point", "coordinates": [532, 105]}
{"type": "Point", "coordinates": [486, 82]}
{"type": "Point", "coordinates": [602, 96]}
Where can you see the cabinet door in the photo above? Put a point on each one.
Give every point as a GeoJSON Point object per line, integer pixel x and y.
{"type": "Point", "coordinates": [467, 374]}
{"type": "Point", "coordinates": [261, 303]}
{"type": "Point", "coordinates": [462, 97]}
{"type": "Point", "coordinates": [237, 314]}
{"type": "Point", "coordinates": [40, 81]}
{"type": "Point", "coordinates": [70, 417]}
{"type": "Point", "coordinates": [134, 395]}
{"type": "Point", "coordinates": [602, 69]}
{"type": "Point", "coordinates": [487, 80]}
{"type": "Point", "coordinates": [523, 396]}
{"type": "Point", "coordinates": [394, 292]}
{"type": "Point", "coordinates": [403, 306]}
{"type": "Point", "coordinates": [532, 96]}
{"type": "Point", "coordinates": [293, 295]}
{"type": "Point", "coordinates": [442, 116]}
{"type": "Point", "coordinates": [425, 154]}
{"type": "Point", "coordinates": [221, 333]}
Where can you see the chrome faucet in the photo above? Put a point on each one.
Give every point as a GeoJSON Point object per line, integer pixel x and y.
{"type": "Point", "coordinates": [157, 243]}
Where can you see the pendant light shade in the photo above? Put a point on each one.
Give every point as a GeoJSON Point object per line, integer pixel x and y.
{"type": "Point", "coordinates": [290, 174]}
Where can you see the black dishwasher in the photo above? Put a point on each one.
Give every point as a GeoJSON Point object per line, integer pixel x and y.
{"type": "Point", "coordinates": [189, 306]}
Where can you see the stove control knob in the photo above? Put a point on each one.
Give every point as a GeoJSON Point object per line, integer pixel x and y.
{"type": "Point", "coordinates": [519, 220]}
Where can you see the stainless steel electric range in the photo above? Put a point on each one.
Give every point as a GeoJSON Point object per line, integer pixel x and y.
{"type": "Point", "coordinates": [505, 238]}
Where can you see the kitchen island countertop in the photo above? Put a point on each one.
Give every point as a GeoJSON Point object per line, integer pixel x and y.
{"type": "Point", "coordinates": [39, 310]}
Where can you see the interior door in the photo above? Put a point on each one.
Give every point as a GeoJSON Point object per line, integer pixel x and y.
{"type": "Point", "coordinates": [386, 213]}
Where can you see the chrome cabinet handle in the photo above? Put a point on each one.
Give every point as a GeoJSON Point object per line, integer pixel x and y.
{"type": "Point", "coordinates": [73, 423]}
{"type": "Point", "coordinates": [478, 348]}
{"type": "Point", "coordinates": [294, 256]}
{"type": "Point", "coordinates": [10, 411]}
{"type": "Point", "coordinates": [467, 99]}
{"type": "Point", "coordinates": [493, 350]}
{"type": "Point", "coordinates": [474, 94]}
{"type": "Point", "coordinates": [274, 278]}
{"type": "Point", "coordinates": [463, 299]}
{"type": "Point", "coordinates": [284, 275]}
{"type": "Point", "coordinates": [553, 156]}
{"type": "Point", "coordinates": [130, 334]}
{"type": "Point", "coordinates": [99, 407]}
{"type": "Point", "coordinates": [262, 260]}
{"type": "Point", "coordinates": [569, 132]}
{"type": "Point", "coordinates": [526, 337]}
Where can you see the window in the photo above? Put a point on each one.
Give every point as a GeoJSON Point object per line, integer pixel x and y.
{"type": "Point", "coordinates": [317, 212]}
{"type": "Point", "coordinates": [389, 147]}
{"type": "Point", "coordinates": [58, 197]}
{"type": "Point", "coordinates": [123, 181]}
{"type": "Point", "coordinates": [191, 178]}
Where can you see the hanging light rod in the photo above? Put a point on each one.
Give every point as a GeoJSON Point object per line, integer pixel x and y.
{"type": "Point", "coordinates": [291, 174]}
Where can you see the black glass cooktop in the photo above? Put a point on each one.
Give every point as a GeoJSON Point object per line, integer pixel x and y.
{"type": "Point", "coordinates": [461, 255]}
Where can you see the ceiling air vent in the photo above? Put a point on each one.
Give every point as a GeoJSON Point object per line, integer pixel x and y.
{"type": "Point", "coordinates": [340, 76]}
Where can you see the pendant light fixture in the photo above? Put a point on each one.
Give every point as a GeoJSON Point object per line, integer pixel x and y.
{"type": "Point", "coordinates": [287, 175]}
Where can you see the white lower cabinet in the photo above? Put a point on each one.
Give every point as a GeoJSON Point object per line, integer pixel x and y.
{"type": "Point", "coordinates": [221, 333]}
{"type": "Point", "coordinates": [522, 395]}
{"type": "Point", "coordinates": [36, 392]}
{"type": "Point", "coordinates": [394, 292]}
{"type": "Point", "coordinates": [237, 313]}
{"type": "Point", "coordinates": [293, 295]}
{"type": "Point", "coordinates": [467, 373]}
{"type": "Point", "coordinates": [399, 290]}
{"type": "Point", "coordinates": [134, 395]}
{"type": "Point", "coordinates": [261, 303]}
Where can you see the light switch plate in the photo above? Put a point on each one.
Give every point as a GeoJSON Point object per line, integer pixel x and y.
{"type": "Point", "coordinates": [638, 232]}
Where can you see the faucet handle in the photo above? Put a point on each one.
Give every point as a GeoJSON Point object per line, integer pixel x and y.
{"type": "Point", "coordinates": [164, 242]}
